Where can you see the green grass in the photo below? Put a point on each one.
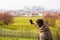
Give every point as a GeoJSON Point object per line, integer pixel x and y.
{"type": "Point", "coordinates": [21, 24]}
{"type": "Point", "coordinates": [54, 31]}
{"type": "Point", "coordinates": [15, 38]}
{"type": "Point", "coordinates": [22, 28]}
{"type": "Point", "coordinates": [24, 20]}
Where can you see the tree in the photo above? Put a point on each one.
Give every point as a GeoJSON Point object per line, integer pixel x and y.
{"type": "Point", "coordinates": [50, 19]}
{"type": "Point", "coordinates": [6, 18]}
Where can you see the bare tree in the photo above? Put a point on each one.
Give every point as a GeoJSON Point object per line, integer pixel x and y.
{"type": "Point", "coordinates": [50, 19]}
{"type": "Point", "coordinates": [6, 18]}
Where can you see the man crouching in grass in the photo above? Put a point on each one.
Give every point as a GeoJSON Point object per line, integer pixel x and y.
{"type": "Point", "coordinates": [45, 33]}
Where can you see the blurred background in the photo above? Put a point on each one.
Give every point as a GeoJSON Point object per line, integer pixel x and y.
{"type": "Point", "coordinates": [15, 16]}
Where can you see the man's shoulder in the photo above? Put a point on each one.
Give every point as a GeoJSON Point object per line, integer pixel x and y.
{"type": "Point", "coordinates": [44, 28]}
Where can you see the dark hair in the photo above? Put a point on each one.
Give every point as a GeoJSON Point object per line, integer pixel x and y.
{"type": "Point", "coordinates": [40, 22]}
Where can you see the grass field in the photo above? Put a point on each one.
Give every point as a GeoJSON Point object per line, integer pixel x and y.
{"type": "Point", "coordinates": [23, 30]}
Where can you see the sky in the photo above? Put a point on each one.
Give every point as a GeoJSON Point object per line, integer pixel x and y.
{"type": "Point", "coordinates": [20, 4]}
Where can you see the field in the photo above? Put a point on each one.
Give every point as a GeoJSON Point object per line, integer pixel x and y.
{"type": "Point", "coordinates": [23, 30]}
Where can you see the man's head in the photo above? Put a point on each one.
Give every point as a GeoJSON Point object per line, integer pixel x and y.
{"type": "Point", "coordinates": [39, 22]}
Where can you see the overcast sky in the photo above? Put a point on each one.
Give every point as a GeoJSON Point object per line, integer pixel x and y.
{"type": "Point", "coordinates": [19, 4]}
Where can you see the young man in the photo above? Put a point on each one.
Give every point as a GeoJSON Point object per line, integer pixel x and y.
{"type": "Point", "coordinates": [45, 33]}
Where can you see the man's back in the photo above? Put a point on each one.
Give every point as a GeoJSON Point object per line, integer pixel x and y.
{"type": "Point", "coordinates": [45, 33]}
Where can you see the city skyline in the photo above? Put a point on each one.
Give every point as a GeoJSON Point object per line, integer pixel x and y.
{"type": "Point", "coordinates": [20, 4]}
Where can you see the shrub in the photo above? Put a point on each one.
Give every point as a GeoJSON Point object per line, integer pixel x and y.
{"type": "Point", "coordinates": [50, 19]}
{"type": "Point", "coordinates": [6, 18]}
